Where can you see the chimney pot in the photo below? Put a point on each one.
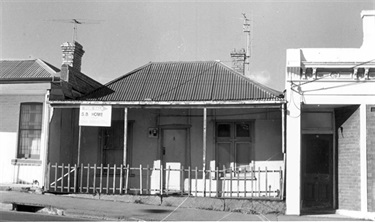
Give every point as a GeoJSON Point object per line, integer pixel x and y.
{"type": "Point", "coordinates": [72, 54]}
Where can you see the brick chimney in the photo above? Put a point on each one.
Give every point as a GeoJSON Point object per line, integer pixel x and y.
{"type": "Point", "coordinates": [368, 22]}
{"type": "Point", "coordinates": [72, 54]}
{"type": "Point", "coordinates": [238, 60]}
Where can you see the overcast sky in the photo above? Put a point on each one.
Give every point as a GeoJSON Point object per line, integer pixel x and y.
{"type": "Point", "coordinates": [130, 34]}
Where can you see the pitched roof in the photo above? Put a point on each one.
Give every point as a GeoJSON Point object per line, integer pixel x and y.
{"type": "Point", "coordinates": [183, 81]}
{"type": "Point", "coordinates": [26, 69]}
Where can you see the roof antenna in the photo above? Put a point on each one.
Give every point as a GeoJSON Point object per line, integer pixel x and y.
{"type": "Point", "coordinates": [76, 22]}
{"type": "Point", "coordinates": [246, 29]}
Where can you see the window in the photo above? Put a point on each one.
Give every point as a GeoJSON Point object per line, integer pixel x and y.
{"type": "Point", "coordinates": [234, 144]}
{"type": "Point", "coordinates": [30, 130]}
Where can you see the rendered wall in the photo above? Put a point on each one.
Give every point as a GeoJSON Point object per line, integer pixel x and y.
{"type": "Point", "coordinates": [9, 121]}
{"type": "Point", "coordinates": [349, 180]}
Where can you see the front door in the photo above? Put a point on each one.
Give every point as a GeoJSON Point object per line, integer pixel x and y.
{"type": "Point", "coordinates": [317, 171]}
{"type": "Point", "coordinates": [173, 156]}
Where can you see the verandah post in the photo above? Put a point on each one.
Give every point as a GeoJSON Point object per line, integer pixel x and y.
{"type": "Point", "coordinates": [204, 149]}
{"type": "Point", "coordinates": [125, 136]}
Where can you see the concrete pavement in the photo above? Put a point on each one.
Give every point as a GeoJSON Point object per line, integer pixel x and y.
{"type": "Point", "coordinates": [98, 209]}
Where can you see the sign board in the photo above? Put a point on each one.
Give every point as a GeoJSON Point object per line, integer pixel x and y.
{"type": "Point", "coordinates": [95, 115]}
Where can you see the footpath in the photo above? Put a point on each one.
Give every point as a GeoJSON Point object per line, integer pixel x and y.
{"type": "Point", "coordinates": [93, 208]}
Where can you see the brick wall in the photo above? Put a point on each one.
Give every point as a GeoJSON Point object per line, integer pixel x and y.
{"type": "Point", "coordinates": [370, 117]}
{"type": "Point", "coordinates": [347, 123]}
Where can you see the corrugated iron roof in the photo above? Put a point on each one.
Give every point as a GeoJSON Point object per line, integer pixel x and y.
{"type": "Point", "coordinates": [183, 81]}
{"type": "Point", "coordinates": [26, 69]}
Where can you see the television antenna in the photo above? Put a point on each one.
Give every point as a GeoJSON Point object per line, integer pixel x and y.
{"type": "Point", "coordinates": [75, 23]}
{"type": "Point", "coordinates": [246, 29]}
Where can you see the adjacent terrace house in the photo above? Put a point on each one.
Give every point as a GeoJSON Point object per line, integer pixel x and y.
{"type": "Point", "coordinates": [25, 88]}
{"type": "Point", "coordinates": [330, 127]}
{"type": "Point", "coordinates": [188, 128]}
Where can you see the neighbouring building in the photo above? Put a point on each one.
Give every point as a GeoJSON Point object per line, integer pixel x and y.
{"type": "Point", "coordinates": [25, 88]}
{"type": "Point", "coordinates": [330, 144]}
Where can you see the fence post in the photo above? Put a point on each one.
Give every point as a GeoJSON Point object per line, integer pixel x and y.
{"type": "Point", "coordinates": [88, 179]}
{"type": "Point", "coordinates": [266, 182]}
{"type": "Point", "coordinates": [101, 179]}
{"type": "Point", "coordinates": [231, 181]}
{"type": "Point", "coordinates": [75, 178]}
{"type": "Point", "coordinates": [94, 180]}
{"type": "Point", "coordinates": [245, 181]}
{"type": "Point", "coordinates": [121, 177]}
{"type": "Point", "coordinates": [127, 178]}
{"type": "Point", "coordinates": [167, 178]}
{"type": "Point", "coordinates": [189, 175]}
{"type": "Point", "coordinates": [148, 180]}
{"type": "Point", "coordinates": [281, 184]}
{"type": "Point", "coordinates": [196, 181]}
{"type": "Point", "coordinates": [114, 178]}
{"type": "Point", "coordinates": [48, 174]}
{"type": "Point", "coordinates": [204, 181]}
{"type": "Point", "coordinates": [68, 177]}
{"type": "Point", "coordinates": [161, 180]}
{"type": "Point", "coordinates": [140, 180]}
{"type": "Point", "coordinates": [62, 177]}
{"type": "Point", "coordinates": [210, 180]}
{"type": "Point", "coordinates": [56, 177]}
{"type": "Point", "coordinates": [252, 175]}
{"type": "Point", "coordinates": [237, 172]}
{"type": "Point", "coordinates": [182, 180]}
{"type": "Point", "coordinates": [81, 179]}
{"type": "Point", "coordinates": [258, 181]}
{"type": "Point", "coordinates": [107, 185]}
{"type": "Point", "coordinates": [217, 181]}
{"type": "Point", "coordinates": [224, 181]}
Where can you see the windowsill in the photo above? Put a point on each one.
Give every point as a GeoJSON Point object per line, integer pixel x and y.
{"type": "Point", "coordinates": [26, 162]}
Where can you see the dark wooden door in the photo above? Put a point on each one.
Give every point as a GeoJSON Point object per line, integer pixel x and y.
{"type": "Point", "coordinates": [317, 171]}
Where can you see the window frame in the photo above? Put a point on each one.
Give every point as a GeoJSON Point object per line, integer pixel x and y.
{"type": "Point", "coordinates": [234, 140]}
{"type": "Point", "coordinates": [20, 151]}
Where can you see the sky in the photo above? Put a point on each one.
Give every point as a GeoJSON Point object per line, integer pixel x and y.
{"type": "Point", "coordinates": [129, 34]}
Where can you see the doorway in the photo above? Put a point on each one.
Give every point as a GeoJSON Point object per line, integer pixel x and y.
{"type": "Point", "coordinates": [317, 171]}
{"type": "Point", "coordinates": [174, 156]}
